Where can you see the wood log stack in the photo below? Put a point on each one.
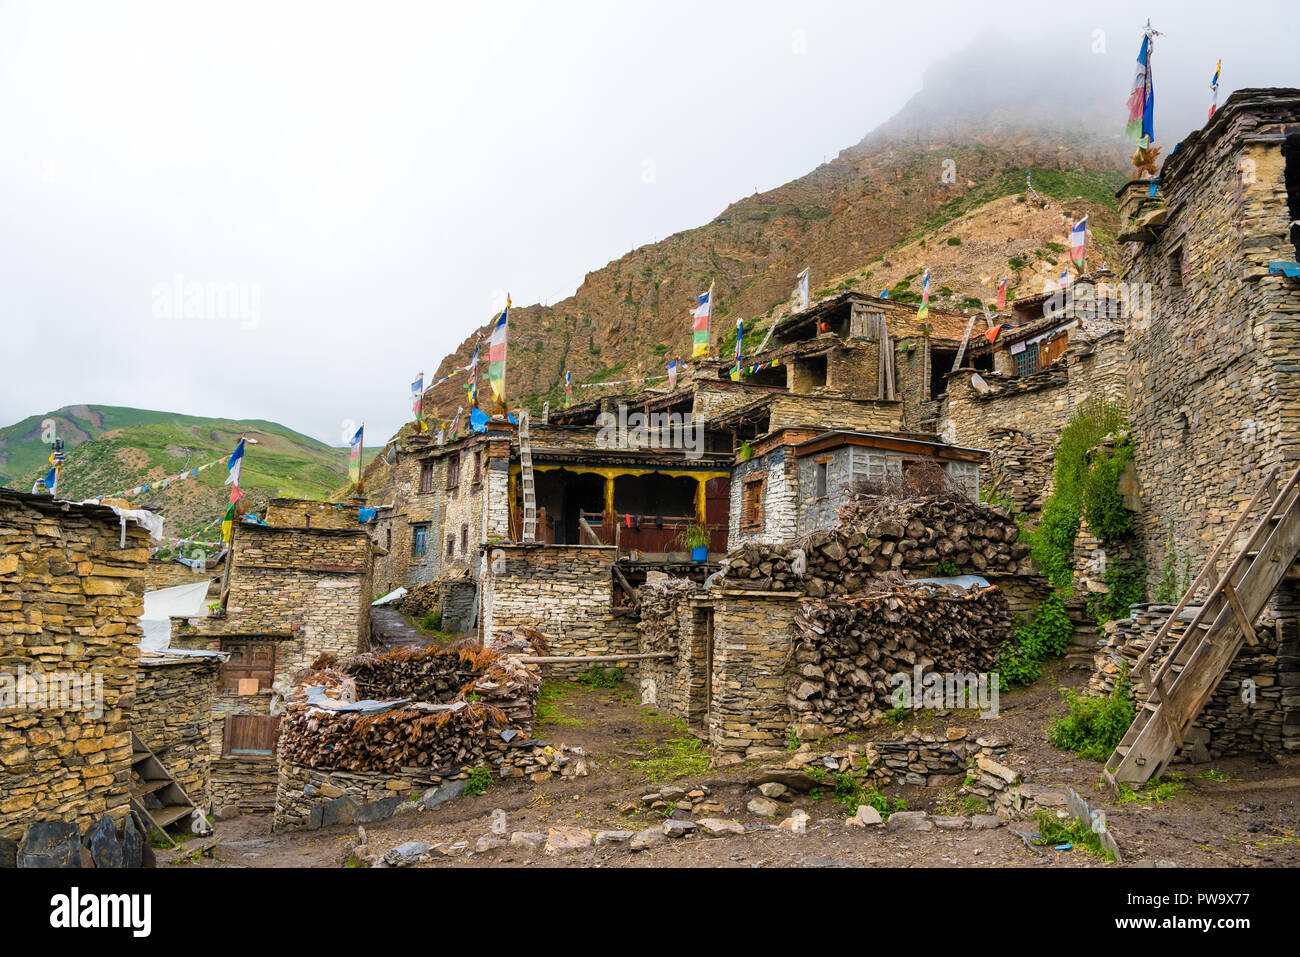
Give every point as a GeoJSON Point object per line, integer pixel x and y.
{"type": "Point", "coordinates": [661, 603]}
{"type": "Point", "coordinates": [467, 697]}
{"type": "Point", "coordinates": [846, 651]}
{"type": "Point", "coordinates": [876, 537]}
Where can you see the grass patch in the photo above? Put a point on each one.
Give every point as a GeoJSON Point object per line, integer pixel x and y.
{"type": "Point", "coordinates": [1160, 790]}
{"type": "Point", "coordinates": [548, 706]}
{"type": "Point", "coordinates": [1053, 830]}
{"type": "Point", "coordinates": [676, 758]}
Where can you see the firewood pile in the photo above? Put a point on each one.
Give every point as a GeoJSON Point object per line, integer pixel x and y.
{"type": "Point", "coordinates": [660, 605]}
{"type": "Point", "coordinates": [880, 535]}
{"type": "Point", "coordinates": [440, 708]}
{"type": "Point", "coordinates": [846, 651]}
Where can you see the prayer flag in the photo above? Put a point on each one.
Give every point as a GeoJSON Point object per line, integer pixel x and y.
{"type": "Point", "coordinates": [497, 356]}
{"type": "Point", "coordinates": [701, 318]}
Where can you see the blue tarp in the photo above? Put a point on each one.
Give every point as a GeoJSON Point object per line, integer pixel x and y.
{"type": "Point", "coordinates": [1291, 270]}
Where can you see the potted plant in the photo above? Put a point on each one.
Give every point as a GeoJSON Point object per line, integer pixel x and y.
{"type": "Point", "coordinates": [696, 538]}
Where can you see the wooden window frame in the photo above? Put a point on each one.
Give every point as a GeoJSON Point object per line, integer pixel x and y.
{"type": "Point", "coordinates": [453, 470]}
{"type": "Point", "coordinates": [426, 477]}
{"type": "Point", "coordinates": [752, 490]}
{"type": "Point", "coordinates": [420, 540]}
{"type": "Point", "coordinates": [822, 478]}
{"type": "Point", "coordinates": [464, 539]}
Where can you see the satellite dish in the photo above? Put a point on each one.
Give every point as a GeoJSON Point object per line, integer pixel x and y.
{"type": "Point", "coordinates": [978, 382]}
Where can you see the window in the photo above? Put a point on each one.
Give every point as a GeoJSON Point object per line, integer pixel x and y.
{"type": "Point", "coordinates": [1026, 361]}
{"type": "Point", "coordinates": [419, 540]}
{"type": "Point", "coordinates": [821, 470]}
{"type": "Point", "coordinates": [478, 467]}
{"type": "Point", "coordinates": [464, 539]}
{"type": "Point", "coordinates": [967, 475]}
{"type": "Point", "coordinates": [751, 515]}
{"type": "Point", "coordinates": [453, 470]}
{"type": "Point", "coordinates": [866, 465]}
{"type": "Point", "coordinates": [426, 476]}
{"type": "Point", "coordinates": [388, 539]}
{"type": "Point", "coordinates": [1175, 264]}
{"type": "Point", "coordinates": [451, 545]}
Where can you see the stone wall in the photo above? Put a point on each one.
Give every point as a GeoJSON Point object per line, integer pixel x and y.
{"type": "Point", "coordinates": [173, 717]}
{"type": "Point", "coordinates": [564, 591]}
{"type": "Point", "coordinates": [780, 509]}
{"type": "Point", "coordinates": [305, 513]}
{"type": "Point", "coordinates": [1228, 725]}
{"type": "Point", "coordinates": [674, 618]}
{"type": "Point", "coordinates": [70, 598]}
{"type": "Point", "coordinates": [1017, 420]}
{"type": "Point", "coordinates": [752, 634]}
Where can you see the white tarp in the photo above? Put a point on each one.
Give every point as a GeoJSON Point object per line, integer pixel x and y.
{"type": "Point", "coordinates": [391, 597]}
{"type": "Point", "coordinates": [160, 606]}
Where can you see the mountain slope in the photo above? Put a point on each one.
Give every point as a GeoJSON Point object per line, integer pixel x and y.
{"type": "Point", "coordinates": [112, 448]}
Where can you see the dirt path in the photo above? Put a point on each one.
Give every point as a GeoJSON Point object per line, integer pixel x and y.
{"type": "Point", "coordinates": [1239, 812]}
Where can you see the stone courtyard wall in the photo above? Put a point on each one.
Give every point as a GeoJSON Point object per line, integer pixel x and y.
{"type": "Point", "coordinates": [564, 591]}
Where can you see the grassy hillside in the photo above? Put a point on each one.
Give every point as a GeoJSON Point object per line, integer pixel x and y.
{"type": "Point", "coordinates": [111, 449]}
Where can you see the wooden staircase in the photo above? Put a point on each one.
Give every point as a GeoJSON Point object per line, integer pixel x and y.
{"type": "Point", "coordinates": [154, 792]}
{"type": "Point", "coordinates": [526, 487]}
{"type": "Point", "coordinates": [1187, 675]}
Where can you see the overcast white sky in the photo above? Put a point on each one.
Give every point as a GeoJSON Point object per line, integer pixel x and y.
{"type": "Point", "coordinates": [377, 172]}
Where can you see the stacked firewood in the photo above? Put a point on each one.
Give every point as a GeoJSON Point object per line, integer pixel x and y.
{"type": "Point", "coordinates": [405, 737]}
{"type": "Point", "coordinates": [660, 612]}
{"type": "Point", "coordinates": [847, 652]}
{"type": "Point", "coordinates": [916, 538]}
{"type": "Point", "coordinates": [468, 703]}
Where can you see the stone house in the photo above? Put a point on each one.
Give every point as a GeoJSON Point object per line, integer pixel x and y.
{"type": "Point", "coordinates": [796, 479]}
{"type": "Point", "coordinates": [71, 585]}
{"type": "Point", "coordinates": [295, 591]}
{"type": "Point", "coordinates": [1212, 376]}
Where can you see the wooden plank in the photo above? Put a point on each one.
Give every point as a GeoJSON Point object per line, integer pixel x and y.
{"type": "Point", "coordinates": [1243, 620]}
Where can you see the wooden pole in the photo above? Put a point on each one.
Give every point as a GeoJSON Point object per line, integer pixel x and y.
{"type": "Point", "coordinates": [575, 659]}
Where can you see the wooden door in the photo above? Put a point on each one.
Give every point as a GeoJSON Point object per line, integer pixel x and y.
{"type": "Point", "coordinates": [251, 734]}
{"type": "Point", "coordinates": [248, 659]}
{"type": "Point", "coordinates": [1053, 349]}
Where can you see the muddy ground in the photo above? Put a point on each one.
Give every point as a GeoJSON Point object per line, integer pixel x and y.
{"type": "Point", "coordinates": [1235, 812]}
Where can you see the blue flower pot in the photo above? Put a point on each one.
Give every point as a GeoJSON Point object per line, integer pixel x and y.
{"type": "Point", "coordinates": [700, 553]}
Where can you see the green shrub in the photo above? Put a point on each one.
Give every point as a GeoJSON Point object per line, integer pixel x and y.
{"type": "Point", "coordinates": [851, 795]}
{"type": "Point", "coordinates": [946, 568]}
{"type": "Point", "coordinates": [598, 677]}
{"type": "Point", "coordinates": [480, 779]}
{"type": "Point", "coordinates": [1094, 725]}
{"type": "Point", "coordinates": [432, 621]}
{"type": "Point", "coordinates": [1047, 634]}
{"type": "Point", "coordinates": [1083, 485]}
{"type": "Point", "coordinates": [1127, 581]}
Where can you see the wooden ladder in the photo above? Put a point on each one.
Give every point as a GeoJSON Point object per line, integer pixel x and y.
{"type": "Point", "coordinates": [1186, 677]}
{"type": "Point", "coordinates": [154, 792]}
{"type": "Point", "coordinates": [526, 486]}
